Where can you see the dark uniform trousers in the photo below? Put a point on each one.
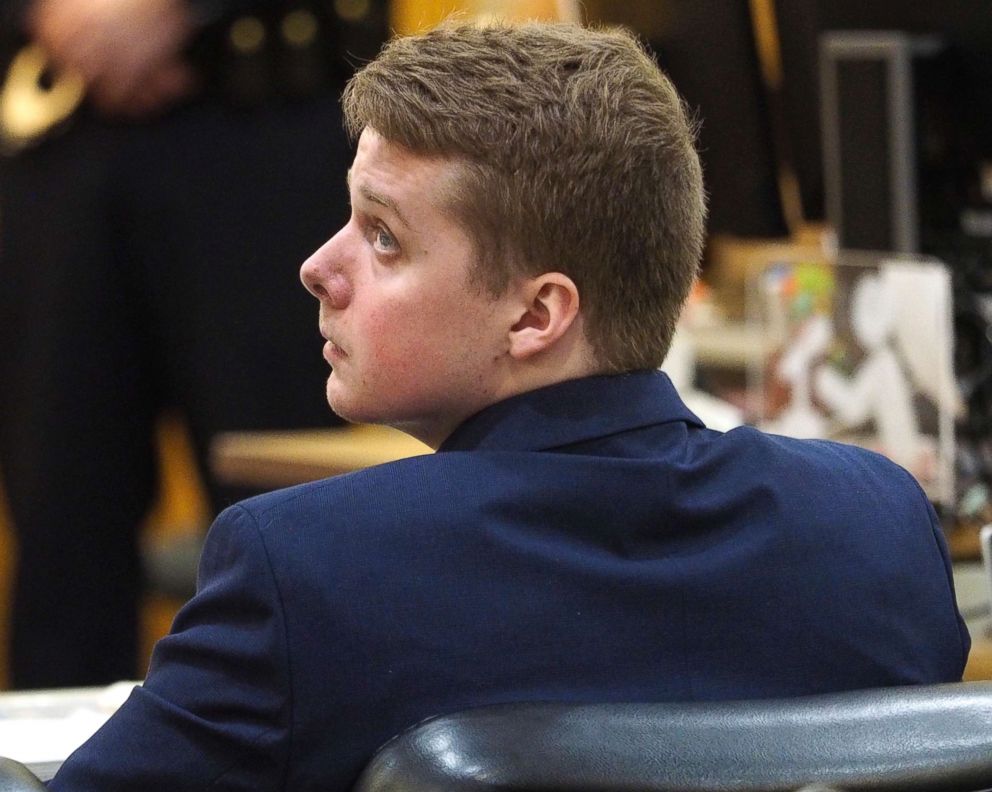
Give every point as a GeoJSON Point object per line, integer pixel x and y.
{"type": "Point", "coordinates": [143, 266]}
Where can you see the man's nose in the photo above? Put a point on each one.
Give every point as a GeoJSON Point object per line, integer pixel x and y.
{"type": "Point", "coordinates": [324, 277]}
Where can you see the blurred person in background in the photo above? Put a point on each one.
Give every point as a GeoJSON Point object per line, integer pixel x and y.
{"type": "Point", "coordinates": [148, 254]}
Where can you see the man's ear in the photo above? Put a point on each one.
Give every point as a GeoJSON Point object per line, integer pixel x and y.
{"type": "Point", "coordinates": [551, 305]}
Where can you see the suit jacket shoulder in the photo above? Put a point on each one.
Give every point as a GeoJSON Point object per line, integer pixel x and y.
{"type": "Point", "coordinates": [588, 542]}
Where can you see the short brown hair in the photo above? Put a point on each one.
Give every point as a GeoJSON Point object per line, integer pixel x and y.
{"type": "Point", "coordinates": [578, 157]}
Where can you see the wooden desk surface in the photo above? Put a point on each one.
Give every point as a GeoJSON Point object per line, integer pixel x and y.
{"type": "Point", "coordinates": [281, 459]}
{"type": "Point", "coordinates": [980, 659]}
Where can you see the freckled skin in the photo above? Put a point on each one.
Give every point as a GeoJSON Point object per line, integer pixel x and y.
{"type": "Point", "coordinates": [411, 344]}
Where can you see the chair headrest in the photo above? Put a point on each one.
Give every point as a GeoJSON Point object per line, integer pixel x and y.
{"type": "Point", "coordinates": [912, 738]}
{"type": "Point", "coordinates": [15, 777]}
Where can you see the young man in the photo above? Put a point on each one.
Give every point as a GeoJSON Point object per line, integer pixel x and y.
{"type": "Point", "coordinates": [527, 217]}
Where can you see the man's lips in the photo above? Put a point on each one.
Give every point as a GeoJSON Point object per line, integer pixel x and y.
{"type": "Point", "coordinates": [331, 350]}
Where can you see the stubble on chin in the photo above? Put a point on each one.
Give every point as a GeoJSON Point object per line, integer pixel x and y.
{"type": "Point", "coordinates": [340, 400]}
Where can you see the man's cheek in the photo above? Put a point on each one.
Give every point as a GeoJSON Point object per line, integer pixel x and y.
{"type": "Point", "coordinates": [395, 343]}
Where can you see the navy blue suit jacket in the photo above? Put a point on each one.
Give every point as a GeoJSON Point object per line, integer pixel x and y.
{"type": "Point", "coordinates": [590, 541]}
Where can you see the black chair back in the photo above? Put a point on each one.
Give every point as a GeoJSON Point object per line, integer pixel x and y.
{"type": "Point", "coordinates": [889, 740]}
{"type": "Point", "coordinates": [15, 777]}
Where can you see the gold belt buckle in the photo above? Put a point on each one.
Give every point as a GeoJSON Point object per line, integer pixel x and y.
{"type": "Point", "coordinates": [30, 104]}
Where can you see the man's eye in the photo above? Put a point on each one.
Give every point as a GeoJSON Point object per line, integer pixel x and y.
{"type": "Point", "coordinates": [383, 240]}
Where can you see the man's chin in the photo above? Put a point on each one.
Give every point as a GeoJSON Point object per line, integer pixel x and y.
{"type": "Point", "coordinates": [347, 406]}
{"type": "Point", "coordinates": [339, 402]}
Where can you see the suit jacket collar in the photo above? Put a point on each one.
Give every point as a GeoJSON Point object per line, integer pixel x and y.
{"type": "Point", "coordinates": [572, 412]}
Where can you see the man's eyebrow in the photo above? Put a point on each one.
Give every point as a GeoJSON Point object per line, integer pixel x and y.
{"type": "Point", "coordinates": [378, 198]}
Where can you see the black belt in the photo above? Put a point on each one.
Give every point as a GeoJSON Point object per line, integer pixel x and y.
{"type": "Point", "coordinates": [298, 50]}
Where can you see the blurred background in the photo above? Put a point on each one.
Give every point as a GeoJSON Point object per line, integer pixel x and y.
{"type": "Point", "coordinates": [826, 127]}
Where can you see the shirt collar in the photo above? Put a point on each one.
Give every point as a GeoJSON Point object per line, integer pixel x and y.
{"type": "Point", "coordinates": [571, 412]}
